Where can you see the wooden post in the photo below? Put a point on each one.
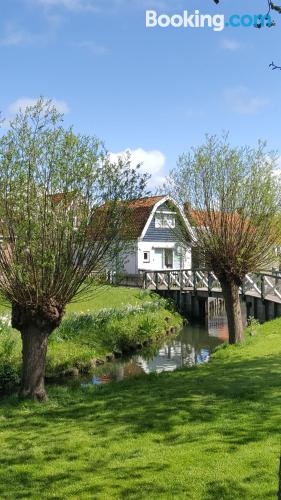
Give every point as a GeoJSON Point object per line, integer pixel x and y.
{"type": "Point", "coordinates": [209, 284]}
{"type": "Point", "coordinates": [275, 310]}
{"type": "Point", "coordinates": [194, 281]}
{"type": "Point", "coordinates": [145, 280]}
{"type": "Point", "coordinates": [169, 280]}
{"type": "Point", "coordinates": [181, 281]}
{"type": "Point", "coordinates": [156, 280]}
{"type": "Point", "coordinates": [262, 287]}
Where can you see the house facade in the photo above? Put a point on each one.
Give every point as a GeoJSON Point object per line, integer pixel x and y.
{"type": "Point", "coordinates": [156, 244]}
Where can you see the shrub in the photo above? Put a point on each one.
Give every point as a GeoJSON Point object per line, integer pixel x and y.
{"type": "Point", "coordinates": [10, 342]}
{"type": "Point", "coordinates": [146, 327]}
{"type": "Point", "coordinates": [253, 325]}
{"type": "Point", "coordinates": [83, 337]}
{"type": "Point", "coordinates": [66, 355]}
{"type": "Point", "coordinates": [9, 375]}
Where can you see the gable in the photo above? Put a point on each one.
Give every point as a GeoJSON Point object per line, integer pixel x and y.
{"type": "Point", "coordinates": [154, 233]}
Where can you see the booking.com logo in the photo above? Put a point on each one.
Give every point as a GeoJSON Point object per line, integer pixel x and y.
{"type": "Point", "coordinates": [197, 20]}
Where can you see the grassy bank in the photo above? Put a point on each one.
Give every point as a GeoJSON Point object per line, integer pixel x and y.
{"type": "Point", "coordinates": [91, 330]}
{"type": "Point", "coordinates": [211, 432]}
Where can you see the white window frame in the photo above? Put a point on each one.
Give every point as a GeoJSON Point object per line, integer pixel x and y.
{"type": "Point", "coordinates": [146, 260]}
{"type": "Point", "coordinates": [165, 220]}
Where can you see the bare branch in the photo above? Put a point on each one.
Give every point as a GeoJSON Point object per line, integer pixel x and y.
{"type": "Point", "coordinates": [274, 66]}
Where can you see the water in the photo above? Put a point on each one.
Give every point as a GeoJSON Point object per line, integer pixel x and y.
{"type": "Point", "coordinates": [194, 345]}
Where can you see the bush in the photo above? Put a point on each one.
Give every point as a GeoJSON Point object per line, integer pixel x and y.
{"type": "Point", "coordinates": [64, 356]}
{"type": "Point", "coordinates": [9, 376]}
{"type": "Point", "coordinates": [97, 321]}
{"type": "Point", "coordinates": [83, 337]}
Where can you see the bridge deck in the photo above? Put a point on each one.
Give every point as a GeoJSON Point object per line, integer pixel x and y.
{"type": "Point", "coordinates": [264, 286]}
{"type": "Point", "coordinates": [217, 291]}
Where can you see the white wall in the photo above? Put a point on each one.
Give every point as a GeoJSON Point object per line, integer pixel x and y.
{"type": "Point", "coordinates": [130, 261]}
{"type": "Point", "coordinates": [150, 246]}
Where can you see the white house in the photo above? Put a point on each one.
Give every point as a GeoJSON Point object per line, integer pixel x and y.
{"type": "Point", "coordinates": [155, 242]}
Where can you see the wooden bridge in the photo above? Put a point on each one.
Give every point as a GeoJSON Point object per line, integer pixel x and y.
{"type": "Point", "coordinates": [265, 286]}
{"type": "Point", "coordinates": [193, 290]}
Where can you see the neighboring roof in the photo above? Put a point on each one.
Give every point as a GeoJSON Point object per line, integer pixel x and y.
{"type": "Point", "coordinates": [58, 197]}
{"type": "Point", "coordinates": [134, 213]}
{"type": "Point", "coordinates": [215, 219]}
{"type": "Point", "coordinates": [138, 215]}
{"type": "Point", "coordinates": [139, 212]}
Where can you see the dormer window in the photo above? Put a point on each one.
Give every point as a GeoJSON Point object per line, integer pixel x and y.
{"type": "Point", "coordinates": [165, 220]}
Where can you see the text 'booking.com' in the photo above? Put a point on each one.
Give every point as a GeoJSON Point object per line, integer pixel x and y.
{"type": "Point", "coordinates": [217, 22]}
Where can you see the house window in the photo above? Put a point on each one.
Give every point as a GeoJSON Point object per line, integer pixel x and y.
{"type": "Point", "coordinates": [168, 258]}
{"type": "Point", "coordinates": [165, 221]}
{"type": "Point", "coordinates": [146, 257]}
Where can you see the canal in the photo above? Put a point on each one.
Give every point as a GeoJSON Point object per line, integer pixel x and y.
{"type": "Point", "coordinates": [192, 346]}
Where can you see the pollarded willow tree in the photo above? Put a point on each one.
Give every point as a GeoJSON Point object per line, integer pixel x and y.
{"type": "Point", "coordinates": [233, 205]}
{"type": "Point", "coordinates": [54, 233]}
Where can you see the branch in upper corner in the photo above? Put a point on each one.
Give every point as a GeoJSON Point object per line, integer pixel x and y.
{"type": "Point", "coordinates": [273, 6]}
{"type": "Point", "coordinates": [274, 66]}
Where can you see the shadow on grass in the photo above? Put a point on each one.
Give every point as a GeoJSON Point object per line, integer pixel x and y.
{"type": "Point", "coordinates": [159, 403]}
{"type": "Point", "coordinates": [239, 401]}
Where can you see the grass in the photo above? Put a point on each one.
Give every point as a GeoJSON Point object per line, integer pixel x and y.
{"type": "Point", "coordinates": [108, 297]}
{"type": "Point", "coordinates": [208, 433]}
{"type": "Point", "coordinates": [90, 331]}
{"type": "Point", "coordinates": [104, 297]}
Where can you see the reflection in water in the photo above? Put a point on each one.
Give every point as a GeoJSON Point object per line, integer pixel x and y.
{"type": "Point", "coordinates": [193, 346]}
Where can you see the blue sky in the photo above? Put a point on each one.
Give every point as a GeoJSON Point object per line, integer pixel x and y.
{"type": "Point", "coordinates": [155, 92]}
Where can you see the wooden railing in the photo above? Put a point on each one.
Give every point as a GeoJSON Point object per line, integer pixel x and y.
{"type": "Point", "coordinates": [265, 285]}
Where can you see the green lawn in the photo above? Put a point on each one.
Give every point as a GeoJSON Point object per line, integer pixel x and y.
{"type": "Point", "coordinates": [106, 297]}
{"type": "Point", "coordinates": [206, 433]}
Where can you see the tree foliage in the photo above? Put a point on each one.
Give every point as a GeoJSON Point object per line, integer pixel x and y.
{"type": "Point", "coordinates": [233, 205]}
{"type": "Point", "coordinates": [235, 200]}
{"type": "Point", "coordinates": [53, 230]}
{"type": "Point", "coordinates": [52, 183]}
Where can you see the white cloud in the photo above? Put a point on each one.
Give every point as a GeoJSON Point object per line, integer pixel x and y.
{"type": "Point", "coordinates": [16, 37]}
{"type": "Point", "coordinates": [231, 45]}
{"type": "Point", "coordinates": [23, 102]}
{"type": "Point", "coordinates": [241, 100]}
{"type": "Point", "coordinates": [101, 5]}
{"type": "Point", "coordinates": [92, 47]}
{"type": "Point", "coordinates": [152, 162]}
{"type": "Point", "coordinates": [73, 5]}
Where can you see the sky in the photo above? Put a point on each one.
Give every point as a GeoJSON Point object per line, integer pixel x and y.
{"type": "Point", "coordinates": [153, 91]}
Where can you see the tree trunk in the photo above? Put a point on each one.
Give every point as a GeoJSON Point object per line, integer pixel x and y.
{"type": "Point", "coordinates": [34, 350]}
{"type": "Point", "coordinates": [233, 312]}
{"type": "Point", "coordinates": [35, 325]}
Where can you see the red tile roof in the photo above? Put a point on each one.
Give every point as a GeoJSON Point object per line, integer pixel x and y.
{"type": "Point", "coordinates": [149, 201]}
{"type": "Point", "coordinates": [139, 212]}
{"type": "Point", "coordinates": [58, 197]}
{"type": "Point", "coordinates": [218, 221]}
